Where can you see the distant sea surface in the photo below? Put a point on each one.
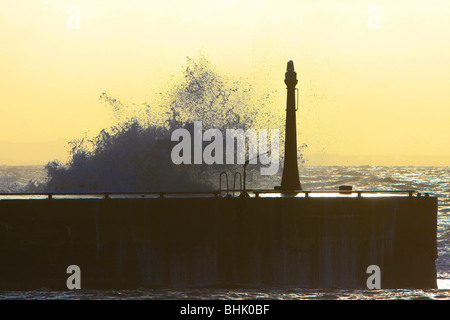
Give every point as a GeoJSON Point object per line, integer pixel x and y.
{"type": "Point", "coordinates": [433, 180]}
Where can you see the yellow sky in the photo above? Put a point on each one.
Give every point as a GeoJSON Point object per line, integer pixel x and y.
{"type": "Point", "coordinates": [364, 90]}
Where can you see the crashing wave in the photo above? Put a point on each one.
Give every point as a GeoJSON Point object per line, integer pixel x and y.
{"type": "Point", "coordinates": [134, 155]}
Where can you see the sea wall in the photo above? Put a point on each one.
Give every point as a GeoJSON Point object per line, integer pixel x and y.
{"type": "Point", "coordinates": [220, 242]}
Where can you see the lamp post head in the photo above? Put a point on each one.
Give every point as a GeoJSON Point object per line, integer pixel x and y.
{"type": "Point", "coordinates": [290, 76]}
{"type": "Point", "coordinates": [290, 65]}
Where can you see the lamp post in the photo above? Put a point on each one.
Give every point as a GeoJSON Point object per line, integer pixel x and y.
{"type": "Point", "coordinates": [290, 180]}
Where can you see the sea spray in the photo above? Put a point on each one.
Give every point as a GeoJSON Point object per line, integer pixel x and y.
{"type": "Point", "coordinates": [134, 154]}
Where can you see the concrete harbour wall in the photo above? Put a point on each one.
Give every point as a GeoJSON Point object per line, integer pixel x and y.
{"type": "Point", "coordinates": [221, 242]}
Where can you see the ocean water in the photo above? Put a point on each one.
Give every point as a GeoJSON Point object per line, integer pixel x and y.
{"type": "Point", "coordinates": [433, 180]}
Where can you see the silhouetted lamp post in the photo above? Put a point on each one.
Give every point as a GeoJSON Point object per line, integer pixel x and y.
{"type": "Point", "coordinates": [290, 180]}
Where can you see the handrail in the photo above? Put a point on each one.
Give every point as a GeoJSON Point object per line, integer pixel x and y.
{"type": "Point", "coordinates": [220, 182]}
{"type": "Point", "coordinates": [107, 195]}
{"type": "Point", "coordinates": [358, 192]}
{"type": "Point", "coordinates": [75, 193]}
{"type": "Point", "coordinates": [234, 182]}
{"type": "Point", "coordinates": [331, 191]}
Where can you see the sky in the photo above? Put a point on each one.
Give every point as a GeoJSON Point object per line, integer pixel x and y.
{"type": "Point", "coordinates": [374, 76]}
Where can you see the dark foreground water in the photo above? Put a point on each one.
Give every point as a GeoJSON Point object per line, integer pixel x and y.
{"type": "Point", "coordinates": [434, 180]}
{"type": "Point", "coordinates": [206, 294]}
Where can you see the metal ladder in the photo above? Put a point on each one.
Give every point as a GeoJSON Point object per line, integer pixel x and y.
{"type": "Point", "coordinates": [236, 174]}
